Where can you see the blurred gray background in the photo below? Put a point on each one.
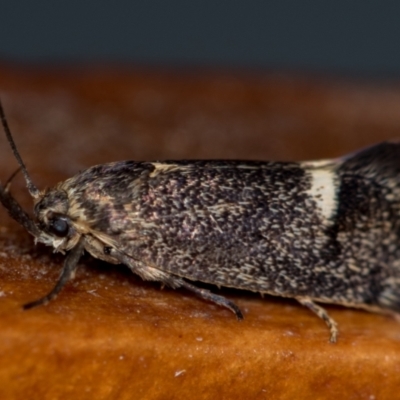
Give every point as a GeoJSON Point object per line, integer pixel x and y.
{"type": "Point", "coordinates": [344, 37]}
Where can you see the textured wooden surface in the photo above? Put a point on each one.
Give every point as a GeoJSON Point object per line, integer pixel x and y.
{"type": "Point", "coordinates": [111, 336]}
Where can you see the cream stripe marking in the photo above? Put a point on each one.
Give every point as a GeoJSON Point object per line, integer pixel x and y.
{"type": "Point", "coordinates": [324, 191]}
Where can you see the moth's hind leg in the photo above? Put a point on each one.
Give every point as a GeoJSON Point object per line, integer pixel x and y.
{"type": "Point", "coordinates": [214, 298]}
{"type": "Point", "coordinates": [321, 312]}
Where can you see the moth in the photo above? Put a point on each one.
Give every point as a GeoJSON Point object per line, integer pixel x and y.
{"type": "Point", "coordinates": [319, 232]}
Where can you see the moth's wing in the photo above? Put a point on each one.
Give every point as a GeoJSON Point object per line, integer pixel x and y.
{"type": "Point", "coordinates": [380, 161]}
{"type": "Point", "coordinates": [230, 223]}
{"type": "Point", "coordinates": [370, 201]}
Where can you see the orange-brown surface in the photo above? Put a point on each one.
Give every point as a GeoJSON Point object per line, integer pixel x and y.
{"type": "Point", "coordinates": [111, 336]}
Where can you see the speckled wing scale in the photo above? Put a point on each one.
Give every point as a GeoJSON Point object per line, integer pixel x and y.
{"type": "Point", "coordinates": [318, 232]}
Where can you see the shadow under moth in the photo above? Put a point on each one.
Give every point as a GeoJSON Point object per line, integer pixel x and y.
{"type": "Point", "coordinates": [319, 232]}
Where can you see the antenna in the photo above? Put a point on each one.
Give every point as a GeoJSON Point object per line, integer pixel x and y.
{"type": "Point", "coordinates": [33, 190]}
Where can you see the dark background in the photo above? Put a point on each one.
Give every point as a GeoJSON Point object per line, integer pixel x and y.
{"type": "Point", "coordinates": [343, 37]}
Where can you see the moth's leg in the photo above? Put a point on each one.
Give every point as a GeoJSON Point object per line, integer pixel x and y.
{"type": "Point", "coordinates": [154, 274]}
{"type": "Point", "coordinates": [68, 272]}
{"type": "Point", "coordinates": [214, 298]}
{"type": "Point", "coordinates": [321, 312]}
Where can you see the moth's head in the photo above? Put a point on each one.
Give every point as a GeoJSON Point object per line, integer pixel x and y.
{"type": "Point", "coordinates": [57, 229]}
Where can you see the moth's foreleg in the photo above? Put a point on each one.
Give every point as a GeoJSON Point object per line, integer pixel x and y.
{"type": "Point", "coordinates": [321, 312]}
{"type": "Point", "coordinates": [214, 298]}
{"type": "Point", "coordinates": [68, 272]}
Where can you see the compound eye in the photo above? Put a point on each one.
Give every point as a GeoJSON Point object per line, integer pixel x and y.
{"type": "Point", "coordinates": [59, 226]}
